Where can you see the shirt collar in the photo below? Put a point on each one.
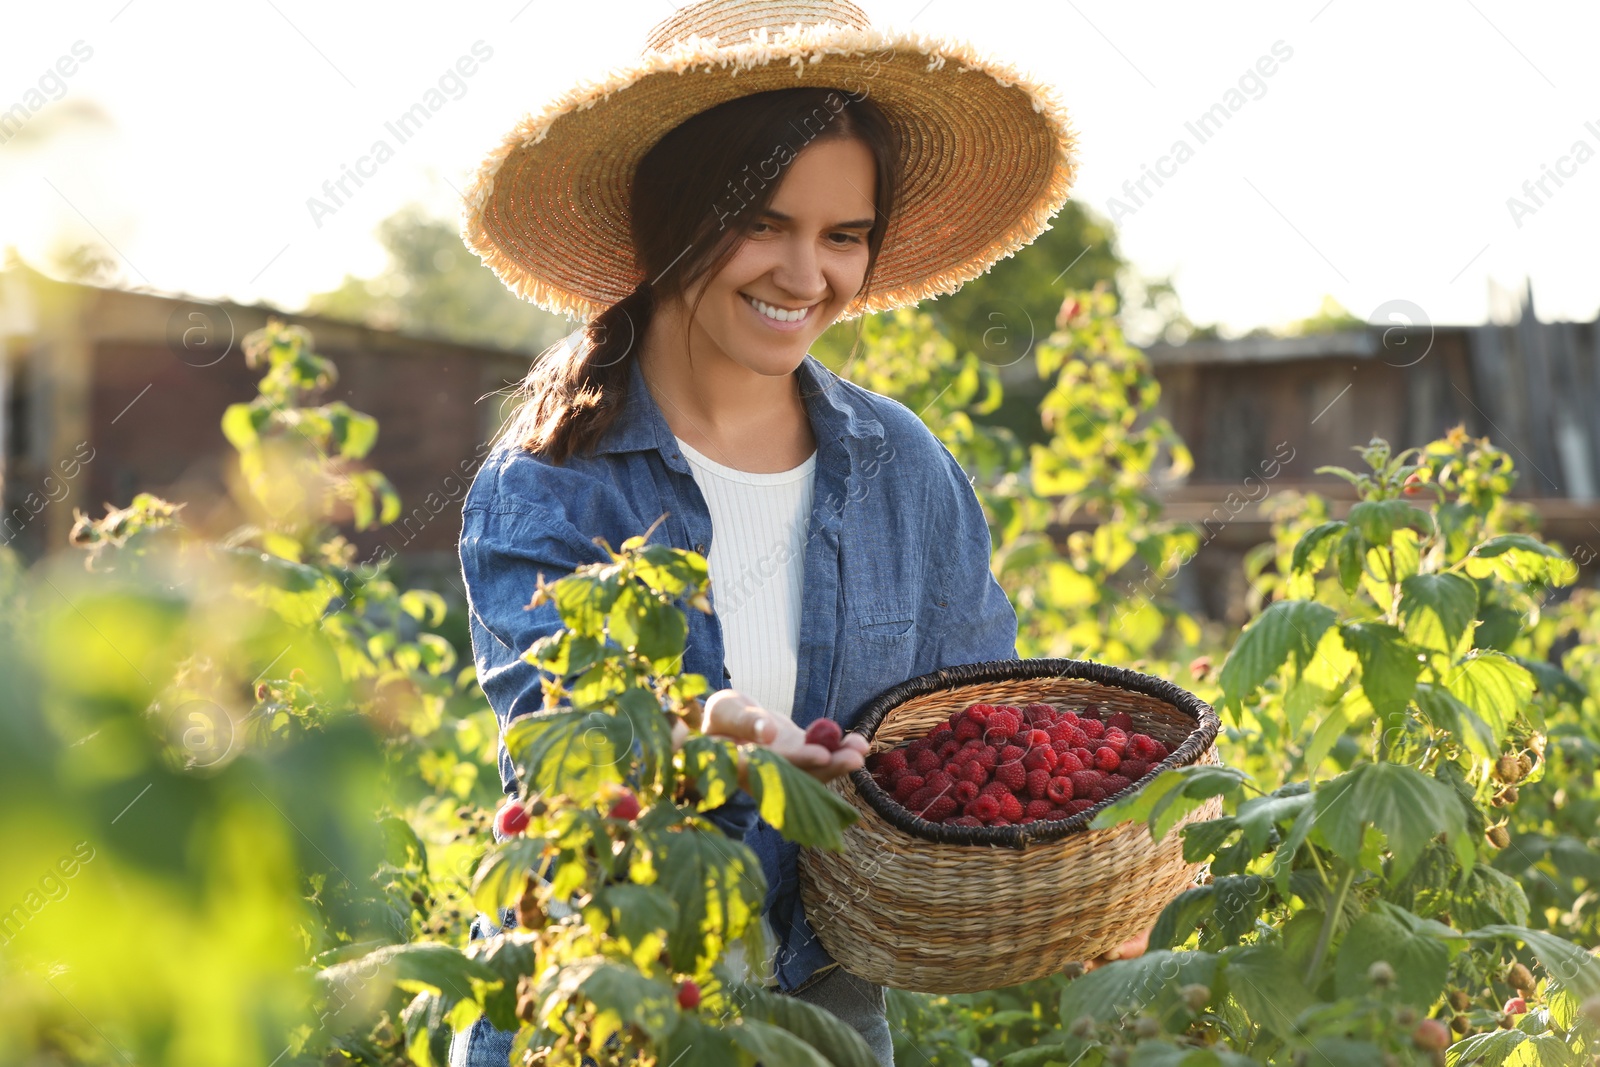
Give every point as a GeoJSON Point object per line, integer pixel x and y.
{"type": "Point", "coordinates": [834, 413]}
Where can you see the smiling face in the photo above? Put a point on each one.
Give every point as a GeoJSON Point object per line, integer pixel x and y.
{"type": "Point", "coordinates": [797, 269]}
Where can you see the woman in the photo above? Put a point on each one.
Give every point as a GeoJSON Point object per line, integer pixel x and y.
{"type": "Point", "coordinates": [765, 171]}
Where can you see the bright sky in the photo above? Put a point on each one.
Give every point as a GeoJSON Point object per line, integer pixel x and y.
{"type": "Point", "coordinates": [1374, 164]}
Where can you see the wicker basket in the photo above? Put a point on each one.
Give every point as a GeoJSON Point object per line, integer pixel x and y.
{"type": "Point", "coordinates": [951, 909]}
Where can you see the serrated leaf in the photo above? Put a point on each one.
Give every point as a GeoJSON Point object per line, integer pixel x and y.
{"type": "Point", "coordinates": [1148, 982]}
{"type": "Point", "coordinates": [1448, 713]}
{"type": "Point", "coordinates": [1437, 609]}
{"type": "Point", "coordinates": [773, 1046]}
{"type": "Point", "coordinates": [1489, 897]}
{"type": "Point", "coordinates": [584, 601]}
{"type": "Point", "coordinates": [1289, 629]}
{"type": "Point", "coordinates": [1571, 965]}
{"type": "Point", "coordinates": [1350, 556]}
{"type": "Point", "coordinates": [572, 753]}
{"type": "Point", "coordinates": [719, 887]}
{"type": "Point", "coordinates": [1409, 807]}
{"type": "Point", "coordinates": [1420, 962]}
{"type": "Point", "coordinates": [1510, 1048]}
{"type": "Point", "coordinates": [1389, 665]}
{"type": "Point", "coordinates": [1378, 519]}
{"type": "Point", "coordinates": [837, 1042]}
{"type": "Point", "coordinates": [1227, 906]}
{"type": "Point", "coordinates": [1495, 687]}
{"type": "Point", "coordinates": [1263, 980]}
{"type": "Point", "coordinates": [1170, 795]}
{"type": "Point", "coordinates": [797, 805]}
{"type": "Point", "coordinates": [1306, 557]}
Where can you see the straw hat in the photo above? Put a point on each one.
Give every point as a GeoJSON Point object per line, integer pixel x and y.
{"type": "Point", "coordinates": [987, 155]}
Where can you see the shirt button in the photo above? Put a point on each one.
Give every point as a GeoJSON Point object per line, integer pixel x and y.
{"type": "Point", "coordinates": [701, 548]}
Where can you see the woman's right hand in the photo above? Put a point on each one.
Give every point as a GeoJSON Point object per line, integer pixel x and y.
{"type": "Point", "coordinates": [729, 713]}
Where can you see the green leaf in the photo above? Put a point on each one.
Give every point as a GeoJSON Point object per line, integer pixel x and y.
{"type": "Point", "coordinates": [1495, 687]}
{"type": "Point", "coordinates": [711, 763]}
{"type": "Point", "coordinates": [423, 966]}
{"type": "Point", "coordinates": [803, 809]}
{"type": "Point", "coordinates": [1306, 557]}
{"type": "Point", "coordinates": [1389, 666]}
{"type": "Point", "coordinates": [1144, 983]}
{"type": "Point", "coordinates": [1263, 980]}
{"type": "Point", "coordinates": [584, 601]}
{"type": "Point", "coordinates": [499, 879]}
{"type": "Point", "coordinates": [773, 1046]}
{"type": "Point", "coordinates": [1407, 805]}
{"type": "Point", "coordinates": [1553, 681]}
{"type": "Point", "coordinates": [622, 995]}
{"type": "Point", "coordinates": [838, 1043]}
{"type": "Point", "coordinates": [1227, 906]}
{"type": "Point", "coordinates": [241, 425]}
{"type": "Point", "coordinates": [574, 753]}
{"type": "Point", "coordinates": [1378, 519]}
{"type": "Point", "coordinates": [1437, 609]}
{"type": "Point", "coordinates": [1157, 1054]}
{"type": "Point", "coordinates": [1171, 795]}
{"type": "Point", "coordinates": [1350, 555]}
{"type": "Point", "coordinates": [509, 955]}
{"type": "Point", "coordinates": [1571, 965]}
{"type": "Point", "coordinates": [1420, 962]}
{"type": "Point", "coordinates": [718, 885]}
{"type": "Point", "coordinates": [1448, 713]}
{"type": "Point", "coordinates": [1510, 1048]}
{"type": "Point", "coordinates": [1289, 628]}
{"type": "Point", "coordinates": [662, 631]}
{"type": "Point", "coordinates": [1489, 897]}
{"type": "Point", "coordinates": [428, 1031]}
{"type": "Point", "coordinates": [634, 912]}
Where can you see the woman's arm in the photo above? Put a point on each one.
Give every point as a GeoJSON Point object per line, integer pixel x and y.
{"type": "Point", "coordinates": [977, 621]}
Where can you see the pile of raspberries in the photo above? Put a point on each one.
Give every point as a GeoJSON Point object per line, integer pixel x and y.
{"type": "Point", "coordinates": [998, 765]}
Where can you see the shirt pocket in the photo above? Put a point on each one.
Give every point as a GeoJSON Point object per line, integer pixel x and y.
{"type": "Point", "coordinates": [879, 650]}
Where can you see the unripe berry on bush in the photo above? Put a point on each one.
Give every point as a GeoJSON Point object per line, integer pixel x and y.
{"type": "Point", "coordinates": [1459, 1000]}
{"type": "Point", "coordinates": [1518, 977]}
{"type": "Point", "coordinates": [1195, 996]}
{"type": "Point", "coordinates": [1381, 974]}
{"type": "Point", "coordinates": [1083, 1027]}
{"type": "Point", "coordinates": [1590, 1010]}
{"type": "Point", "coordinates": [1516, 1006]}
{"type": "Point", "coordinates": [1405, 1017]}
{"type": "Point", "coordinates": [1430, 1034]}
{"type": "Point", "coordinates": [1146, 1026]}
{"type": "Point", "coordinates": [1461, 1024]}
{"type": "Point", "coordinates": [1498, 837]}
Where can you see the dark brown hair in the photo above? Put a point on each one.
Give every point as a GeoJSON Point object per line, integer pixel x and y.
{"type": "Point", "coordinates": [693, 198]}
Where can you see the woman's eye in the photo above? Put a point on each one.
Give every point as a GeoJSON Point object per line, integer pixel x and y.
{"type": "Point", "coordinates": [847, 238]}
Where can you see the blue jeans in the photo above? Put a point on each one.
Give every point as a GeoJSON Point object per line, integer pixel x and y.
{"type": "Point", "coordinates": [854, 1000]}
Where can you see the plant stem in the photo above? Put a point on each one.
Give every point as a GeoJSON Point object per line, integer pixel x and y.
{"type": "Point", "coordinates": [1325, 935]}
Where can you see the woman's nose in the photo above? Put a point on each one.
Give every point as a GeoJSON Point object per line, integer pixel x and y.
{"type": "Point", "coordinates": [799, 271]}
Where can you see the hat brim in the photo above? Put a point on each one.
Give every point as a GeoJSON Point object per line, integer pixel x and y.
{"type": "Point", "coordinates": [987, 158]}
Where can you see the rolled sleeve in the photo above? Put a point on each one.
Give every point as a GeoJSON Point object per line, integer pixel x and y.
{"type": "Point", "coordinates": [979, 623]}
{"type": "Point", "coordinates": [504, 552]}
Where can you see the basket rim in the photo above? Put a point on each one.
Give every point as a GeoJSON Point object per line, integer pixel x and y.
{"type": "Point", "coordinates": [1204, 734]}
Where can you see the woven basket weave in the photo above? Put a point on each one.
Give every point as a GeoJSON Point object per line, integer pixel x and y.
{"type": "Point", "coordinates": [952, 909]}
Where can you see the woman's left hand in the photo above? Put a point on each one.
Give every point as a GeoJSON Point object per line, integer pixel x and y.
{"type": "Point", "coordinates": [731, 714]}
{"type": "Point", "coordinates": [1134, 946]}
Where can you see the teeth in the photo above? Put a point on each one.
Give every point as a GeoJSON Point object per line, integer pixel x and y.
{"type": "Point", "coordinates": [778, 313]}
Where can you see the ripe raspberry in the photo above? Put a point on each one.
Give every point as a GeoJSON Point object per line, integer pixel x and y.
{"type": "Point", "coordinates": [965, 792]}
{"type": "Point", "coordinates": [626, 807]}
{"type": "Point", "coordinates": [999, 822]}
{"type": "Point", "coordinates": [940, 780]}
{"type": "Point", "coordinates": [1161, 753]}
{"type": "Point", "coordinates": [1106, 759]}
{"type": "Point", "coordinates": [1025, 820]}
{"type": "Point", "coordinates": [994, 734]}
{"type": "Point", "coordinates": [1093, 729]}
{"type": "Point", "coordinates": [1012, 754]}
{"type": "Point", "coordinates": [940, 735]}
{"type": "Point", "coordinates": [1076, 806]}
{"type": "Point", "coordinates": [688, 995]}
{"type": "Point", "coordinates": [917, 745]}
{"type": "Point", "coordinates": [984, 808]}
{"type": "Point", "coordinates": [1005, 719]}
{"type": "Point", "coordinates": [948, 749]}
{"type": "Point", "coordinates": [1115, 783]}
{"type": "Point", "coordinates": [1010, 808]}
{"type": "Point", "coordinates": [825, 732]}
{"type": "Point", "coordinates": [512, 818]}
{"type": "Point", "coordinates": [1042, 711]}
{"type": "Point", "coordinates": [1041, 759]}
{"type": "Point", "coordinates": [1068, 716]}
{"type": "Point", "coordinates": [974, 772]}
{"type": "Point", "coordinates": [1142, 746]}
{"type": "Point", "coordinates": [1078, 738]}
{"type": "Point", "coordinates": [967, 729]}
{"type": "Point", "coordinates": [986, 757]}
{"type": "Point", "coordinates": [979, 713]}
{"type": "Point", "coordinates": [883, 782]}
{"type": "Point", "coordinates": [1068, 763]}
{"type": "Point", "coordinates": [941, 809]}
{"type": "Point", "coordinates": [1060, 790]}
{"type": "Point", "coordinates": [1115, 740]}
{"type": "Point", "coordinates": [1020, 739]}
{"type": "Point", "coordinates": [1039, 809]}
{"type": "Point", "coordinates": [1038, 739]}
{"type": "Point", "coordinates": [893, 760]}
{"type": "Point", "coordinates": [996, 789]}
{"type": "Point", "coordinates": [907, 785]}
{"type": "Point", "coordinates": [1013, 774]}
{"type": "Point", "coordinates": [1085, 757]}
{"type": "Point", "coordinates": [1133, 769]}
{"type": "Point", "coordinates": [919, 801]}
{"type": "Point", "coordinates": [1038, 782]}
{"type": "Point", "coordinates": [1086, 781]}
{"type": "Point", "coordinates": [1122, 721]}
{"type": "Point", "coordinates": [926, 761]}
{"type": "Point", "coordinates": [964, 820]}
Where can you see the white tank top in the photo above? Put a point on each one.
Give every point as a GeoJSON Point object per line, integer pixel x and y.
{"type": "Point", "coordinates": [757, 560]}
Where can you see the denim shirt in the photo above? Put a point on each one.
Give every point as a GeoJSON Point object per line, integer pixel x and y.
{"type": "Point", "coordinates": [896, 577]}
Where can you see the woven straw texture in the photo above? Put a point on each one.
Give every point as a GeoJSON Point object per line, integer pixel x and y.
{"type": "Point", "coordinates": [987, 155]}
{"type": "Point", "coordinates": [938, 909]}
